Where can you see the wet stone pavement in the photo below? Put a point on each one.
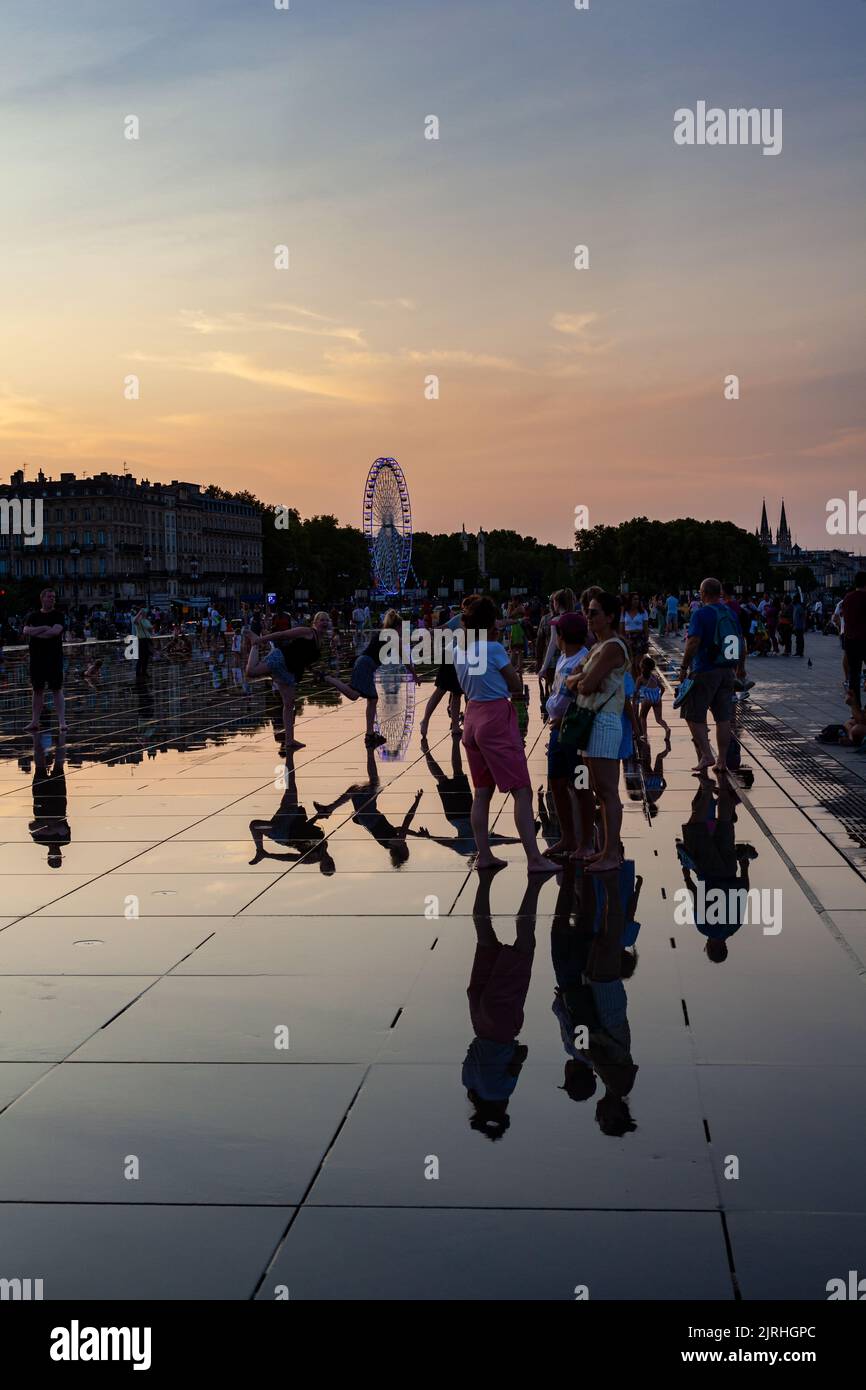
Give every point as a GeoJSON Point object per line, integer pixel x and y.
{"type": "Point", "coordinates": [235, 1038]}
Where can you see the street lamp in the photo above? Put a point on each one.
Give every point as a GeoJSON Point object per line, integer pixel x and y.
{"type": "Point", "coordinates": [74, 553]}
{"type": "Point", "coordinates": [193, 575]}
{"type": "Point", "coordinates": [148, 561]}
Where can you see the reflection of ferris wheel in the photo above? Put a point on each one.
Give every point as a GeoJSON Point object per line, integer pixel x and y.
{"type": "Point", "coordinates": [388, 526]}
{"type": "Point", "coordinates": [395, 711]}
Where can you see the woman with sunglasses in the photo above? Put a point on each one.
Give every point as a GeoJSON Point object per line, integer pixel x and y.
{"type": "Point", "coordinates": [600, 685]}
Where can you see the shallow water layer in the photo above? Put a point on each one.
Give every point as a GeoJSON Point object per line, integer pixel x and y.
{"type": "Point", "coordinates": [233, 989]}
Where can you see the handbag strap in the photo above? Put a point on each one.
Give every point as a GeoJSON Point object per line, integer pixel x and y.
{"type": "Point", "coordinates": [620, 642]}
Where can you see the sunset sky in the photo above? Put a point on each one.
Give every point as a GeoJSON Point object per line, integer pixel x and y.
{"type": "Point", "coordinates": [409, 256]}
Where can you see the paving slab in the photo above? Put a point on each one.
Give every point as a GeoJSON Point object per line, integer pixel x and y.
{"type": "Point", "coordinates": [471, 1255]}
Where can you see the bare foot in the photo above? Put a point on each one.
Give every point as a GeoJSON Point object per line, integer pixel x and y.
{"type": "Point", "coordinates": [33, 728]}
{"type": "Point", "coordinates": [490, 864]}
{"type": "Point", "coordinates": [559, 848]}
{"type": "Point", "coordinates": [295, 744]}
{"type": "Point", "coordinates": [543, 866]}
{"type": "Point", "coordinates": [584, 852]}
{"type": "Point", "coordinates": [602, 866]}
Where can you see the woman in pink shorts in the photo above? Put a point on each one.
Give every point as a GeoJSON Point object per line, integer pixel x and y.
{"type": "Point", "coordinates": [494, 748]}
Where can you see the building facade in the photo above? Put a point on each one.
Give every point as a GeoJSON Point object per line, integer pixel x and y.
{"type": "Point", "coordinates": [110, 538]}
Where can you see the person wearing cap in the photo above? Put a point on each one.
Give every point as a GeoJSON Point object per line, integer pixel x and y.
{"type": "Point", "coordinates": [569, 632]}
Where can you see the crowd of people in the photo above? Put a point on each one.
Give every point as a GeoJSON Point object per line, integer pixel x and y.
{"type": "Point", "coordinates": [598, 683]}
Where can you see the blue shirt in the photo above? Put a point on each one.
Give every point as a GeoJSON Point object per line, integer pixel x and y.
{"type": "Point", "coordinates": [479, 670]}
{"type": "Point", "coordinates": [703, 624]}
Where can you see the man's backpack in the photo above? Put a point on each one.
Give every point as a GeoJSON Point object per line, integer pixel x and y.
{"type": "Point", "coordinates": [726, 648]}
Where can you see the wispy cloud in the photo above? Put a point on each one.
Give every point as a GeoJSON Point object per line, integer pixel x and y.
{"type": "Point", "coordinates": [579, 329]}
{"type": "Point", "coordinates": [407, 304]}
{"type": "Point", "coordinates": [238, 322]}
{"type": "Point", "coordinates": [850, 439]}
{"type": "Point", "coordinates": [243, 368]}
{"type": "Point", "coordinates": [464, 359]}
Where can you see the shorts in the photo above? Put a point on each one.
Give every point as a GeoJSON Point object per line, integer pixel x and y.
{"type": "Point", "coordinates": [48, 674]}
{"type": "Point", "coordinates": [606, 736]}
{"type": "Point", "coordinates": [276, 664]}
{"type": "Point", "coordinates": [363, 678]}
{"type": "Point", "coordinates": [712, 690]}
{"type": "Point", "coordinates": [446, 678]}
{"type": "Point", "coordinates": [494, 748]}
{"type": "Point", "coordinates": [561, 761]}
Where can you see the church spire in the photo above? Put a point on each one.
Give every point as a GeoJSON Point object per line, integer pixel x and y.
{"type": "Point", "coordinates": [766, 535]}
{"type": "Point", "coordinates": [783, 537]}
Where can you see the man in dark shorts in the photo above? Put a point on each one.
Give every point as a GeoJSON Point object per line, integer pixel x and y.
{"type": "Point", "coordinates": [712, 629]}
{"type": "Point", "coordinates": [44, 629]}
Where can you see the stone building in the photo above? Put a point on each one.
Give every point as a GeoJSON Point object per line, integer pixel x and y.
{"type": "Point", "coordinates": [109, 537]}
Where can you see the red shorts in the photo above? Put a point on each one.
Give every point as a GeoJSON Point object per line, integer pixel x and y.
{"type": "Point", "coordinates": [494, 748]}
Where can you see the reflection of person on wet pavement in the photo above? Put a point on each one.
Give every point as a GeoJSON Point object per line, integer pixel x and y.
{"type": "Point", "coordinates": [363, 797]}
{"type": "Point", "coordinates": [497, 991]}
{"type": "Point", "coordinates": [290, 825]}
{"type": "Point", "coordinates": [590, 960]}
{"type": "Point", "coordinates": [455, 793]}
{"type": "Point", "coordinates": [49, 826]}
{"type": "Point", "coordinates": [708, 850]}
{"type": "Point", "coordinates": [644, 775]}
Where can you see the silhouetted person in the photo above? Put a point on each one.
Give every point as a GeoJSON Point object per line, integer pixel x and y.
{"type": "Point", "coordinates": [49, 826]}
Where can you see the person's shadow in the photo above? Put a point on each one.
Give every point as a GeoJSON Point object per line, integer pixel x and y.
{"type": "Point", "coordinates": [364, 799]}
{"type": "Point", "coordinates": [290, 826]}
{"type": "Point", "coordinates": [455, 794]}
{"type": "Point", "coordinates": [49, 826]}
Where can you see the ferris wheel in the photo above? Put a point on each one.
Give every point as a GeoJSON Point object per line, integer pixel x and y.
{"type": "Point", "coordinates": [395, 711]}
{"type": "Point", "coordinates": [388, 526]}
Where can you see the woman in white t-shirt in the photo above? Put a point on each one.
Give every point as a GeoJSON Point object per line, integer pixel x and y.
{"type": "Point", "coordinates": [601, 686]}
{"type": "Point", "coordinates": [491, 737]}
{"type": "Point", "coordinates": [635, 628]}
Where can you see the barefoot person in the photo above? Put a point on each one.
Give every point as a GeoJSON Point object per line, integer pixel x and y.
{"type": "Point", "coordinates": [362, 682]}
{"type": "Point", "coordinates": [570, 632]}
{"type": "Point", "coordinates": [447, 683]}
{"type": "Point", "coordinates": [600, 687]}
{"type": "Point", "coordinates": [650, 693]}
{"type": "Point", "coordinates": [44, 629]}
{"type": "Point", "coordinates": [293, 650]}
{"type": "Point", "coordinates": [491, 737]}
{"type": "Point", "coordinates": [713, 652]}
